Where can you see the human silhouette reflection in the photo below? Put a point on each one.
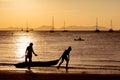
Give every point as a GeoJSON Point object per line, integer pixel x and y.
{"type": "Point", "coordinates": [65, 57]}
{"type": "Point", "coordinates": [28, 54]}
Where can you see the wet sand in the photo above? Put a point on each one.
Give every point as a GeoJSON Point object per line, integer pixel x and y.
{"type": "Point", "coordinates": [29, 75]}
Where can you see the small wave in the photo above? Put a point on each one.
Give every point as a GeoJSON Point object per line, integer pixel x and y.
{"type": "Point", "coordinates": [101, 60]}
{"type": "Point", "coordinates": [99, 67]}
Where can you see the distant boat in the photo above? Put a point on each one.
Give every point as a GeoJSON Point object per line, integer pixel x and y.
{"type": "Point", "coordinates": [22, 29]}
{"type": "Point", "coordinates": [111, 30]}
{"type": "Point", "coordinates": [52, 30]}
{"type": "Point", "coordinates": [65, 31]}
{"type": "Point", "coordinates": [27, 27]}
{"type": "Point", "coordinates": [97, 30]}
{"type": "Point", "coordinates": [64, 28]}
{"type": "Point", "coordinates": [79, 39]}
{"type": "Point", "coordinates": [31, 29]}
{"type": "Point", "coordinates": [27, 31]}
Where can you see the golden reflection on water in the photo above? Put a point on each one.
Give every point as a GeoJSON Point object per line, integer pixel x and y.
{"type": "Point", "coordinates": [22, 43]}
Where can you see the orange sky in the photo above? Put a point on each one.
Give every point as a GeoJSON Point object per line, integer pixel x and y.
{"type": "Point", "coordinates": [15, 13]}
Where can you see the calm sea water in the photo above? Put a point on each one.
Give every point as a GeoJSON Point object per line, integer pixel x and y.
{"type": "Point", "coordinates": [97, 51]}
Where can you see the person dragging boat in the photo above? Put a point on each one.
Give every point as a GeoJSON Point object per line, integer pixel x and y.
{"type": "Point", "coordinates": [28, 54]}
{"type": "Point", "coordinates": [65, 57]}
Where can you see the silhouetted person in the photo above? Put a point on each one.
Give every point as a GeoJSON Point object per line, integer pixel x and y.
{"type": "Point", "coordinates": [28, 54]}
{"type": "Point", "coordinates": [65, 57]}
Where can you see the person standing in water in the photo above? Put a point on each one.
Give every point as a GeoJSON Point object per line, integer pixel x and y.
{"type": "Point", "coordinates": [65, 57]}
{"type": "Point", "coordinates": [28, 54]}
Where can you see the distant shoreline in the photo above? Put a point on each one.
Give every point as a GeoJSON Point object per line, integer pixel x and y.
{"type": "Point", "coordinates": [62, 30]}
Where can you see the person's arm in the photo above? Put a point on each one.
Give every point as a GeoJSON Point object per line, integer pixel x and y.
{"type": "Point", "coordinates": [34, 52]}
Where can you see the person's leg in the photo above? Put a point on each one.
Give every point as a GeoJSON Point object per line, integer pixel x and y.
{"type": "Point", "coordinates": [29, 64]}
{"type": "Point", "coordinates": [25, 58]}
{"type": "Point", "coordinates": [60, 63]}
{"type": "Point", "coordinates": [67, 61]}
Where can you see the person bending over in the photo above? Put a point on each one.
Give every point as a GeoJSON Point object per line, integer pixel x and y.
{"type": "Point", "coordinates": [65, 57]}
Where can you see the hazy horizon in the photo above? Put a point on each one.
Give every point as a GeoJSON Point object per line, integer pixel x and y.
{"type": "Point", "coordinates": [15, 13]}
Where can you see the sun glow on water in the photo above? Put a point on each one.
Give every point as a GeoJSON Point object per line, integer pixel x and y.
{"type": "Point", "coordinates": [22, 43]}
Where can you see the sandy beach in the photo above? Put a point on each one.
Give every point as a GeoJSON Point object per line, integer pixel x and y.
{"type": "Point", "coordinates": [30, 75]}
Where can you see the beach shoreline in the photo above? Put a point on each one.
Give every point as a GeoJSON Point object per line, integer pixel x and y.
{"type": "Point", "coordinates": [30, 75]}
